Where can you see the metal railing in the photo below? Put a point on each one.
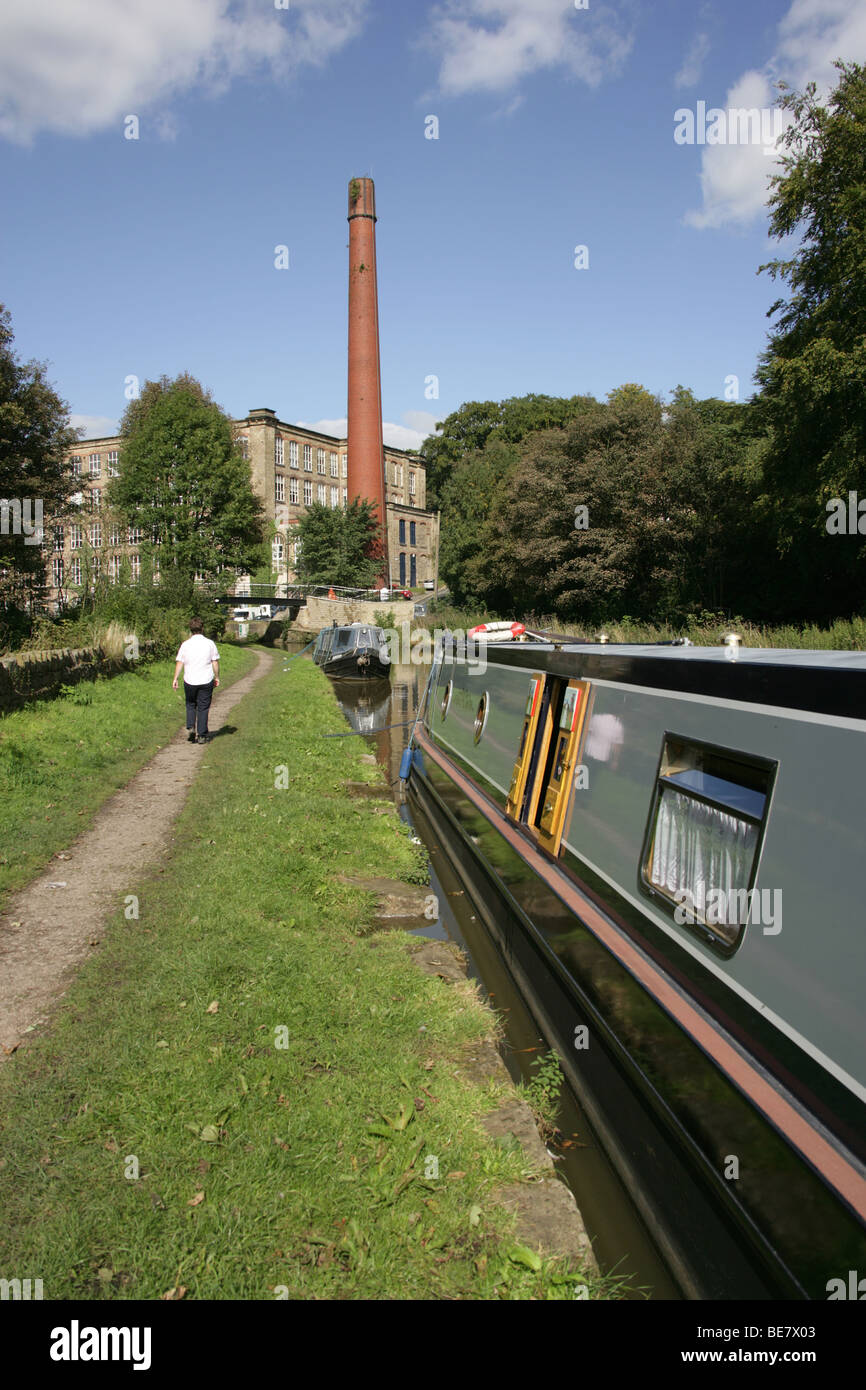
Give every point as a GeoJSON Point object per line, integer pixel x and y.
{"type": "Point", "coordinates": [277, 592]}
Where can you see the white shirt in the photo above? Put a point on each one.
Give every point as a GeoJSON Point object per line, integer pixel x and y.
{"type": "Point", "coordinates": [197, 653]}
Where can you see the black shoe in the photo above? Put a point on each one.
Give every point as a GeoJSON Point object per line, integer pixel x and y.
{"type": "Point", "coordinates": [203, 738]}
{"type": "Point", "coordinates": [190, 738]}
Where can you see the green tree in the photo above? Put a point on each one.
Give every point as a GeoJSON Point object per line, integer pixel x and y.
{"type": "Point", "coordinates": [469, 502]}
{"type": "Point", "coordinates": [340, 545]}
{"type": "Point", "coordinates": [184, 482]}
{"type": "Point", "coordinates": [620, 555]}
{"type": "Point", "coordinates": [727, 559]}
{"type": "Point", "coordinates": [468, 429]}
{"type": "Point", "coordinates": [813, 372]}
{"type": "Point", "coordinates": [633, 508]}
{"type": "Point", "coordinates": [471, 478]}
{"type": "Point", "coordinates": [35, 436]}
{"type": "Point", "coordinates": [462, 432]}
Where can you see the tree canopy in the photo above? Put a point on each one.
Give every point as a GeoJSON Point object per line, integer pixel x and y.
{"type": "Point", "coordinates": [35, 436]}
{"type": "Point", "coordinates": [813, 372]}
{"type": "Point", "coordinates": [476, 422]}
{"type": "Point", "coordinates": [690, 505]}
{"type": "Point", "coordinates": [340, 545]}
{"type": "Point", "coordinates": [632, 507]}
{"type": "Point", "coordinates": [184, 482]}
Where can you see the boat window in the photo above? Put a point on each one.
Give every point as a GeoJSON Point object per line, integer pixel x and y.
{"type": "Point", "coordinates": [342, 640]}
{"type": "Point", "coordinates": [704, 835]}
{"type": "Point", "coordinates": [481, 716]}
{"type": "Point", "coordinates": [446, 698]}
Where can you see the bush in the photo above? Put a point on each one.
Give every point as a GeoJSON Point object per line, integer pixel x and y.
{"type": "Point", "coordinates": [116, 612]}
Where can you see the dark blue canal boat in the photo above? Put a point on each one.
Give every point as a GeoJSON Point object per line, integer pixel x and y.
{"type": "Point", "coordinates": [357, 651]}
{"type": "Point", "coordinates": [667, 846]}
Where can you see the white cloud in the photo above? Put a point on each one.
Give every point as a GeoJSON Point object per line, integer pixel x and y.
{"type": "Point", "coordinates": [489, 45]}
{"type": "Point", "coordinates": [693, 61]}
{"type": "Point", "coordinates": [422, 421]}
{"type": "Point", "coordinates": [810, 36]}
{"type": "Point", "coordinates": [75, 67]}
{"type": "Point", "coordinates": [335, 427]}
{"type": "Point", "coordinates": [408, 436]}
{"type": "Point", "coordinates": [95, 426]}
{"type": "Point", "coordinates": [402, 436]}
{"type": "Point", "coordinates": [815, 32]}
{"type": "Point", "coordinates": [734, 177]}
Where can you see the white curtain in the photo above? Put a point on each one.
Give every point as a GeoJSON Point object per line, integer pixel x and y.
{"type": "Point", "coordinates": [698, 848]}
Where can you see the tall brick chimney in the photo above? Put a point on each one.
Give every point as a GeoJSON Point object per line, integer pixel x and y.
{"type": "Point", "coordinates": [366, 458]}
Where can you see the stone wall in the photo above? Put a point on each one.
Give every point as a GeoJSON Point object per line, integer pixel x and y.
{"type": "Point", "coordinates": [321, 612]}
{"type": "Point", "coordinates": [249, 629]}
{"type": "Point", "coordinates": [26, 676]}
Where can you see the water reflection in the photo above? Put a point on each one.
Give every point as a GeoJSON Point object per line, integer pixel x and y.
{"type": "Point", "coordinates": [365, 706]}
{"type": "Point", "coordinates": [371, 707]}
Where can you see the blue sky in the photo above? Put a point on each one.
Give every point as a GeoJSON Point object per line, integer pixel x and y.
{"type": "Point", "coordinates": [125, 257]}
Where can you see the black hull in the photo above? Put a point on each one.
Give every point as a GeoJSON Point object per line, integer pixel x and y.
{"type": "Point", "coordinates": [710, 1239]}
{"type": "Point", "coordinates": [357, 667]}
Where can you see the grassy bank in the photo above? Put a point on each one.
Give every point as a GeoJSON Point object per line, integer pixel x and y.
{"type": "Point", "coordinates": [250, 1093]}
{"type": "Point", "coordinates": [847, 634]}
{"type": "Point", "coordinates": [61, 759]}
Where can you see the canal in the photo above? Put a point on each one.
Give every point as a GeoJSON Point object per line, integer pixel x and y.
{"type": "Point", "coordinates": [382, 712]}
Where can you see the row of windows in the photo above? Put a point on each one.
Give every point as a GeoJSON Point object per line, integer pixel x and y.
{"type": "Point", "coordinates": [398, 478]}
{"type": "Point", "coordinates": [78, 534]}
{"type": "Point", "coordinates": [93, 494]}
{"type": "Point", "coordinates": [321, 459]}
{"type": "Point", "coordinates": [73, 571]}
{"type": "Point", "coordinates": [95, 464]}
{"type": "Point", "coordinates": [295, 492]}
{"type": "Point", "coordinates": [412, 577]}
{"type": "Point", "coordinates": [338, 463]}
{"type": "Point", "coordinates": [134, 534]}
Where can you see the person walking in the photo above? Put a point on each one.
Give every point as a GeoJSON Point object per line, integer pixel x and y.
{"type": "Point", "coordinates": [198, 658]}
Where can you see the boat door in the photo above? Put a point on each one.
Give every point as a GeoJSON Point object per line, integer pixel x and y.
{"type": "Point", "coordinates": [542, 780]}
{"type": "Point", "coordinates": [534, 718]}
{"type": "Point", "coordinates": [560, 779]}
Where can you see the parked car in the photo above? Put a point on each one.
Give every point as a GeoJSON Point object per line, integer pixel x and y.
{"type": "Point", "coordinates": [253, 611]}
{"type": "Point", "coordinates": [429, 584]}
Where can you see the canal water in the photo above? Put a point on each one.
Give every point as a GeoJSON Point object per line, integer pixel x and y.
{"type": "Point", "coordinates": [382, 712]}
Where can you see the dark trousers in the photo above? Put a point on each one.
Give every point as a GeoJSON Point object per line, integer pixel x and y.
{"type": "Point", "coordinates": [198, 698]}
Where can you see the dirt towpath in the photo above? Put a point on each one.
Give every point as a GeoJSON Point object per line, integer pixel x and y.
{"type": "Point", "coordinates": [52, 925]}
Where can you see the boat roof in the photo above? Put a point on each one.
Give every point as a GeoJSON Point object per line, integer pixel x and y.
{"type": "Point", "coordinates": [673, 651]}
{"type": "Point", "coordinates": [772, 656]}
{"type": "Point", "coordinates": [832, 684]}
{"type": "Point", "coordinates": [347, 627]}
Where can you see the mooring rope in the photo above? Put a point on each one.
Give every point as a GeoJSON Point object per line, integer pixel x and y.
{"type": "Point", "coordinates": [368, 733]}
{"type": "Point", "coordinates": [295, 655]}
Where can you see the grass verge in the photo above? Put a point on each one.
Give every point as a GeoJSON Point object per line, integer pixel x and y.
{"type": "Point", "coordinates": [251, 1093]}
{"type": "Point", "coordinates": [61, 759]}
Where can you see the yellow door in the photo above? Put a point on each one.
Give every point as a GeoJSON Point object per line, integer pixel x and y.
{"type": "Point", "coordinates": [557, 794]}
{"type": "Point", "coordinates": [524, 752]}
